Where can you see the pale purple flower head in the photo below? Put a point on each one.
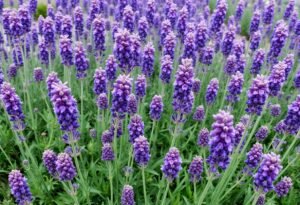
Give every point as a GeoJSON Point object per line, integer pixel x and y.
{"type": "Point", "coordinates": [289, 61]}
{"type": "Point", "coordinates": [67, 26]}
{"type": "Point", "coordinates": [277, 78]}
{"type": "Point", "coordinates": [169, 45]}
{"type": "Point", "coordinates": [228, 39]}
{"type": "Point", "coordinates": [127, 197]}
{"type": "Point", "coordinates": [235, 87]}
{"type": "Point", "coordinates": [201, 35]}
{"type": "Point", "coordinates": [102, 101]}
{"type": "Point", "coordinates": [156, 107]}
{"type": "Point", "coordinates": [122, 49]}
{"type": "Point", "coordinates": [207, 55]}
{"type": "Point", "coordinates": [275, 110]}
{"type": "Point", "coordinates": [82, 63]}
{"type": "Point", "coordinates": [140, 86]}
{"type": "Point", "coordinates": [254, 156]}
{"type": "Point", "coordinates": [141, 149]}
{"type": "Point", "coordinates": [199, 113]}
{"type": "Point", "coordinates": [100, 81]}
{"type": "Point", "coordinates": [283, 187]}
{"type": "Point", "coordinates": [107, 153]}
{"type": "Point", "coordinates": [289, 10]}
{"type": "Point", "coordinates": [19, 187]}
{"type": "Point", "coordinates": [166, 69]}
{"type": "Point", "coordinates": [278, 39]}
{"type": "Point", "coordinates": [212, 91]}
{"type": "Point", "coordinates": [203, 137]}
{"type": "Point", "coordinates": [148, 60]}
{"type": "Point", "coordinates": [66, 51]}
{"type": "Point", "coordinates": [172, 164]}
{"type": "Point", "coordinates": [49, 160]}
{"type": "Point", "coordinates": [258, 61]}
{"type": "Point", "coordinates": [292, 119]}
{"type": "Point", "coordinates": [255, 41]}
{"type": "Point", "coordinates": [195, 169]}
{"type": "Point", "coordinates": [150, 11]}
{"type": "Point", "coordinates": [98, 29]}
{"type": "Point", "coordinates": [65, 167]}
{"type": "Point", "coordinates": [128, 18]}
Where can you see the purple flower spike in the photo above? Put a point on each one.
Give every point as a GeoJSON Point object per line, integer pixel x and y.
{"type": "Point", "coordinates": [254, 156]}
{"type": "Point", "coordinates": [32, 6]}
{"type": "Point", "coordinates": [172, 164]}
{"type": "Point", "coordinates": [207, 55]}
{"type": "Point", "coordinates": [267, 172]}
{"type": "Point", "coordinates": [135, 128]}
{"type": "Point", "coordinates": [102, 101]}
{"type": "Point", "coordinates": [136, 50]}
{"type": "Point", "coordinates": [196, 86]}
{"type": "Point", "coordinates": [66, 51]}
{"type": "Point", "coordinates": [257, 95]}
{"type": "Point", "coordinates": [25, 18]}
{"type": "Point", "coordinates": [199, 113]}
{"type": "Point", "coordinates": [49, 160]}
{"type": "Point", "coordinates": [289, 10]}
{"type": "Point", "coordinates": [166, 69]}
{"type": "Point", "coordinates": [128, 20]}
{"type": "Point", "coordinates": [140, 86]}
{"type": "Point", "coordinates": [228, 40]}
{"type": "Point", "coordinates": [156, 107]}
{"type": "Point", "coordinates": [183, 97]}
{"type": "Point", "coordinates": [67, 26]}
{"type": "Point", "coordinates": [141, 149]}
{"type": "Point", "coordinates": [107, 137]}
{"type": "Point", "coordinates": [277, 78]}
{"type": "Point", "coordinates": [100, 82]}
{"type": "Point", "coordinates": [169, 45]}
{"type": "Point", "coordinates": [78, 22]}
{"type": "Point", "coordinates": [12, 71]}
{"type": "Point", "coordinates": [143, 27]}
{"type": "Point", "coordinates": [230, 66]}
{"type": "Point", "coordinates": [58, 22]}
{"type": "Point", "coordinates": [15, 26]}
{"type": "Point", "coordinates": [13, 106]}
{"type": "Point", "coordinates": [239, 132]}
{"type": "Point", "coordinates": [222, 141]}
{"type": "Point", "coordinates": [275, 110]}
{"type": "Point", "coordinates": [65, 167]}
{"type": "Point", "coordinates": [127, 196]}
{"type": "Point", "coordinates": [293, 21]}
{"type": "Point", "coordinates": [254, 25]}
{"type": "Point", "coordinates": [218, 16]}
{"type": "Point", "coordinates": [297, 79]}
{"type": "Point", "coordinates": [122, 49]}
{"type": "Point", "coordinates": [239, 11]}
{"type": "Point", "coordinates": [65, 107]}
{"type": "Point", "coordinates": [38, 74]}
{"type": "Point", "coordinates": [43, 52]}
{"type": "Point", "coordinates": [292, 119]}
{"type": "Point", "coordinates": [201, 35]}
{"type": "Point", "coordinates": [212, 91]}
{"type": "Point", "coordinates": [255, 40]}
{"type": "Point", "coordinates": [148, 60]}
{"type": "Point", "coordinates": [120, 93]}
{"type": "Point", "coordinates": [48, 31]}
{"type": "Point", "coordinates": [150, 11]}
{"type": "Point", "coordinates": [268, 13]}
{"type": "Point", "coordinates": [111, 68]}
{"type": "Point", "coordinates": [289, 61]}
{"type": "Point", "coordinates": [99, 34]}
{"type": "Point", "coordinates": [203, 137]}
{"type": "Point", "coordinates": [107, 153]}
{"type": "Point", "coordinates": [262, 133]}
{"type": "Point", "coordinates": [82, 63]}
{"type": "Point", "coordinates": [165, 29]}
{"type": "Point", "coordinates": [189, 47]}
{"type": "Point", "coordinates": [19, 187]}
{"type": "Point", "coordinates": [195, 169]}
{"type": "Point", "coordinates": [235, 87]}
{"type": "Point", "coordinates": [51, 80]}
{"type": "Point", "coordinates": [258, 61]}
{"type": "Point", "coordinates": [283, 187]}
{"type": "Point", "coordinates": [181, 23]}
{"type": "Point", "coordinates": [132, 104]}
{"type": "Point", "coordinates": [278, 39]}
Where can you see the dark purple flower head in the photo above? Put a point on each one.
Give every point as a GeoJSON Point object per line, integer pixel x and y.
{"type": "Point", "coordinates": [199, 113]}
{"type": "Point", "coordinates": [189, 47]}
{"type": "Point", "coordinates": [261, 199]}
{"type": "Point", "coordinates": [38, 74]}
{"type": "Point", "coordinates": [16, 29]}
{"type": "Point", "coordinates": [66, 50]}
{"type": "Point", "coordinates": [49, 160]}
{"type": "Point", "coordinates": [25, 17]}
{"type": "Point", "coordinates": [218, 16]}
{"type": "Point", "coordinates": [230, 66]}
{"type": "Point", "coordinates": [81, 61]}
{"type": "Point", "coordinates": [135, 128]}
{"type": "Point", "coordinates": [127, 197]}
{"type": "Point", "coordinates": [239, 132]}
{"type": "Point", "coordinates": [257, 95]}
{"type": "Point", "coordinates": [181, 23]}
{"type": "Point", "coordinates": [275, 110]}
{"type": "Point", "coordinates": [136, 52]}
{"type": "Point", "coordinates": [195, 169]}
{"type": "Point", "coordinates": [48, 31]}
{"type": "Point", "coordinates": [293, 21]}
{"type": "Point", "coordinates": [102, 101]}
{"type": "Point", "coordinates": [222, 140]}
{"type": "Point", "coordinates": [277, 78]}
{"type": "Point", "coordinates": [203, 137]}
{"type": "Point", "coordinates": [262, 133]}
{"type": "Point", "coordinates": [43, 52]}
{"type": "Point", "coordinates": [12, 71]}
{"type": "Point", "coordinates": [122, 49]}
{"type": "Point", "coordinates": [5, 20]}
{"type": "Point", "coordinates": [255, 40]}
{"type": "Point", "coordinates": [148, 60]}
{"type": "Point", "coordinates": [201, 35]}
{"type": "Point", "coordinates": [65, 167]}
{"type": "Point", "coordinates": [235, 87]}
{"type": "Point", "coordinates": [166, 69]}
{"type": "Point", "coordinates": [78, 18]}
{"type": "Point", "coordinates": [156, 107]}
{"type": "Point", "coordinates": [140, 86]}
{"type": "Point", "coordinates": [32, 4]}
{"type": "Point", "coordinates": [141, 149]}
{"type": "Point", "coordinates": [289, 61]}
{"type": "Point", "coordinates": [196, 85]}
{"type": "Point", "coordinates": [254, 156]}
{"type": "Point", "coordinates": [292, 119]}
{"type": "Point", "coordinates": [228, 39]}
{"type": "Point", "coordinates": [254, 25]}
{"type": "Point", "coordinates": [111, 68]}
{"type": "Point", "coordinates": [107, 153]}
{"type": "Point", "coordinates": [238, 48]}
{"type": "Point", "coordinates": [143, 28]}
{"type": "Point", "coordinates": [278, 39]}
{"type": "Point", "coordinates": [267, 172]}
{"type": "Point", "coordinates": [239, 10]}
{"type": "Point", "coordinates": [280, 127]}
{"type": "Point", "coordinates": [172, 14]}
{"type": "Point", "coordinates": [207, 55]}
{"type": "Point", "coordinates": [289, 10]}
{"type": "Point", "coordinates": [212, 91]}
{"type": "Point", "coordinates": [19, 187]}
{"type": "Point", "coordinates": [17, 56]}
{"type": "Point", "coordinates": [128, 18]}
{"type": "Point", "coordinates": [258, 61]}
{"type": "Point", "coordinates": [283, 187]}
{"type": "Point", "coordinates": [150, 11]}
{"type": "Point", "coordinates": [13, 105]}
{"type": "Point", "coordinates": [268, 13]}
{"type": "Point", "coordinates": [165, 29]}
{"type": "Point", "coordinates": [172, 164]}
{"type": "Point", "coordinates": [183, 98]}
{"type": "Point", "coordinates": [67, 26]}
{"type": "Point", "coordinates": [98, 29]}
{"type": "Point", "coordinates": [100, 81]}
{"type": "Point", "coordinates": [65, 107]}
{"type": "Point", "coordinates": [297, 79]}
{"type": "Point", "coordinates": [107, 137]}
{"type": "Point", "coordinates": [132, 104]}
{"type": "Point", "coordinates": [169, 45]}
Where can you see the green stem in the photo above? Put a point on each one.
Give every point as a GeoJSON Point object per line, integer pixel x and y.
{"type": "Point", "coordinates": [73, 193]}
{"type": "Point", "coordinates": [111, 182]}
{"type": "Point", "coordinates": [7, 158]}
{"type": "Point", "coordinates": [165, 194]}
{"type": "Point", "coordinates": [81, 105]}
{"type": "Point", "coordinates": [144, 185]}
{"type": "Point", "coordinates": [204, 193]}
{"type": "Point", "coordinates": [152, 132]}
{"type": "Point", "coordinates": [290, 147]}
{"type": "Point", "coordinates": [195, 192]}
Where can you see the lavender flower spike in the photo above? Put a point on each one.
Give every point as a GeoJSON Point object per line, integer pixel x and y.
{"type": "Point", "coordinates": [81, 61]}
{"type": "Point", "coordinates": [156, 107]}
{"type": "Point", "coordinates": [135, 128]}
{"type": "Point", "coordinates": [292, 119]}
{"type": "Point", "coordinates": [127, 196]}
{"type": "Point", "coordinates": [254, 156]}
{"type": "Point", "coordinates": [212, 91]}
{"type": "Point", "coordinates": [19, 187]}
{"type": "Point", "coordinates": [278, 39]}
{"type": "Point", "coordinates": [141, 149]}
{"type": "Point", "coordinates": [199, 113]}
{"type": "Point", "coordinates": [258, 61]}
{"type": "Point", "coordinates": [38, 74]}
{"type": "Point", "coordinates": [277, 78]}
{"type": "Point", "coordinates": [282, 188]}
{"type": "Point", "coordinates": [65, 167]}
{"type": "Point", "coordinates": [148, 60]}
{"type": "Point", "coordinates": [140, 86]}
{"type": "Point", "coordinates": [218, 16]}
{"type": "Point", "coordinates": [49, 160]}
{"type": "Point", "coordinates": [100, 82]}
{"type": "Point", "coordinates": [235, 87]}
{"type": "Point", "coordinates": [262, 133]}
{"type": "Point", "coordinates": [172, 164]}
{"type": "Point", "coordinates": [107, 153]}
{"type": "Point", "coordinates": [195, 169]}
{"type": "Point", "coordinates": [166, 69]}
{"type": "Point", "coordinates": [66, 51]}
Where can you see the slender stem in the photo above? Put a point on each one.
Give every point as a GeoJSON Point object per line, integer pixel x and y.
{"type": "Point", "coordinates": [81, 105]}
{"type": "Point", "coordinates": [195, 192]}
{"type": "Point", "coordinates": [73, 193]}
{"type": "Point", "coordinates": [204, 193]}
{"type": "Point", "coordinates": [111, 182]}
{"type": "Point", "coordinates": [7, 158]}
{"type": "Point", "coordinates": [255, 198]}
{"type": "Point", "coordinates": [152, 132]}
{"type": "Point", "coordinates": [165, 194]}
{"type": "Point", "coordinates": [290, 147]}
{"type": "Point", "coordinates": [144, 185]}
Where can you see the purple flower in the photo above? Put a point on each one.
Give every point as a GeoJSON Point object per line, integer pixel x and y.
{"type": "Point", "coordinates": [150, 11]}
{"type": "Point", "coordinates": [165, 29]}
{"type": "Point", "coordinates": [283, 187]}
{"type": "Point", "coordinates": [172, 14]}
{"type": "Point", "coordinates": [280, 128]}
{"type": "Point", "coordinates": [196, 86]}
{"type": "Point", "coordinates": [93, 11]}
{"type": "Point", "coordinates": [17, 56]}
{"type": "Point", "coordinates": [268, 13]}
{"type": "Point", "coordinates": [49, 161]}
{"type": "Point", "coordinates": [32, 6]}
{"type": "Point", "coordinates": [218, 16]}
{"type": "Point", "coordinates": [289, 10]}
{"type": "Point", "coordinates": [239, 132]}
{"type": "Point", "coordinates": [43, 52]}
{"type": "Point", "coordinates": [262, 133]}
{"type": "Point", "coordinates": [107, 137]}
{"type": "Point", "coordinates": [102, 101]}
{"type": "Point", "coordinates": [292, 119]}
{"type": "Point", "coordinates": [66, 51]}
{"type": "Point", "coordinates": [267, 172]}
{"type": "Point", "coordinates": [254, 25]}
{"type": "Point", "coordinates": [128, 21]}
{"type": "Point", "coordinates": [207, 55]}
{"type": "Point", "coordinates": [156, 107]}
{"type": "Point", "coordinates": [100, 81]}
{"type": "Point", "coordinates": [25, 18]}
{"type": "Point", "coordinates": [99, 34]}
{"type": "Point", "coordinates": [195, 169]}
{"type": "Point", "coordinates": [257, 95]}
{"type": "Point", "coordinates": [148, 60]}
{"type": "Point", "coordinates": [19, 187]}
{"type": "Point", "coordinates": [201, 35]}
{"type": "Point", "coordinates": [143, 28]}
{"type": "Point", "coordinates": [172, 164]}
{"type": "Point", "coordinates": [293, 21]}
{"type": "Point", "coordinates": [199, 113]}
{"type": "Point", "coordinates": [258, 61]}
{"type": "Point", "coordinates": [140, 86]}
{"type": "Point", "coordinates": [277, 78]}
{"type": "Point", "coordinates": [78, 21]}
{"type": "Point", "coordinates": [12, 71]}
{"type": "Point", "coordinates": [81, 61]}
{"type": "Point", "coordinates": [111, 68]}
{"type": "Point", "coordinates": [212, 91]}
{"type": "Point", "coordinates": [255, 40]}
{"type": "Point", "coordinates": [254, 156]}
{"type": "Point", "coordinates": [67, 26]}
{"type": "Point", "coordinates": [13, 106]}
{"type": "Point", "coordinates": [141, 149]}
{"type": "Point", "coordinates": [189, 47]}
{"type": "Point", "coordinates": [127, 197]}
{"type": "Point", "coordinates": [15, 25]}
{"type": "Point", "coordinates": [122, 49]}
{"type": "Point", "coordinates": [222, 140]}
{"type": "Point", "coordinates": [239, 11]}
{"type": "Point", "coordinates": [135, 128]}
{"type": "Point", "coordinates": [48, 31]}
{"type": "Point", "coordinates": [275, 110]}
{"type": "Point", "coordinates": [183, 96]}
{"type": "Point", "coordinates": [241, 63]}
{"type": "Point", "coordinates": [107, 153]}
{"type": "Point", "coordinates": [289, 61]}
{"type": "Point", "coordinates": [297, 79]}
{"type": "Point", "coordinates": [132, 104]}
{"type": "Point", "coordinates": [278, 39]}
{"type": "Point", "coordinates": [230, 66]}
{"type": "Point", "coordinates": [5, 20]}
{"type": "Point", "coordinates": [203, 137]}
{"type": "Point", "coordinates": [38, 74]}
{"type": "Point", "coordinates": [238, 48]}
{"type": "Point", "coordinates": [136, 50]}
{"type": "Point", "coordinates": [166, 69]}
{"type": "Point", "coordinates": [228, 40]}
{"type": "Point", "coordinates": [235, 87]}
{"type": "Point", "coordinates": [181, 23]}
{"type": "Point", "coordinates": [65, 167]}
{"type": "Point", "coordinates": [51, 80]}
{"type": "Point", "coordinates": [58, 22]}
{"type": "Point", "coordinates": [169, 45]}
{"type": "Point", "coordinates": [65, 107]}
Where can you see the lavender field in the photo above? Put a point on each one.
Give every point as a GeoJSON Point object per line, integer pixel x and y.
{"type": "Point", "coordinates": [163, 102]}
